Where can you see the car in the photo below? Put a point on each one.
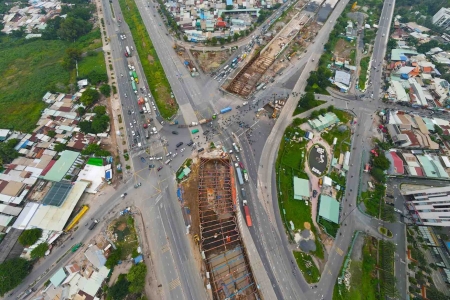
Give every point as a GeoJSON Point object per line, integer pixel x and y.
{"type": "Point", "coordinates": [179, 144]}
{"type": "Point", "coordinates": [142, 159]}
{"type": "Point", "coordinates": [126, 95]}
{"type": "Point", "coordinates": [174, 132]}
{"type": "Point", "coordinates": [314, 194]}
{"type": "Point", "coordinates": [131, 125]}
{"type": "Point", "coordinates": [241, 165]}
{"type": "Point", "coordinates": [182, 150]}
{"type": "Point", "coordinates": [205, 132]}
{"type": "Point", "coordinates": [175, 154]}
{"type": "Point", "coordinates": [169, 154]}
{"type": "Point", "coordinates": [134, 121]}
{"type": "Point", "coordinates": [159, 158]}
{"type": "Point", "coordinates": [230, 151]}
{"type": "Point", "coordinates": [151, 158]}
{"type": "Point", "coordinates": [245, 103]}
{"type": "Point", "coordinates": [200, 149]}
{"type": "Point", "coordinates": [129, 112]}
{"type": "Point", "coordinates": [190, 143]}
{"type": "Point", "coordinates": [160, 168]}
{"type": "Point", "coordinates": [132, 132]}
{"type": "Point", "coordinates": [238, 106]}
{"type": "Point", "coordinates": [151, 166]}
{"type": "Point", "coordinates": [222, 47]}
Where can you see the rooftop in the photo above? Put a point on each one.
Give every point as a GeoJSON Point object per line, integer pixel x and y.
{"type": "Point", "coordinates": [329, 208]}
{"type": "Point", "coordinates": [301, 188]}
{"type": "Point", "coordinates": [62, 166]}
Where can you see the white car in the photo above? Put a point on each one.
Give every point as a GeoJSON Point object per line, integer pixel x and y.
{"type": "Point", "coordinates": [169, 154]}
{"type": "Point", "coordinates": [131, 125]}
{"type": "Point", "coordinates": [132, 49]}
{"type": "Point", "coordinates": [132, 132]}
{"type": "Point", "coordinates": [134, 121]}
{"type": "Point", "coordinates": [160, 158]}
{"type": "Point", "coordinates": [182, 149]}
{"type": "Point", "coordinates": [175, 154]}
{"type": "Point", "coordinates": [151, 158]}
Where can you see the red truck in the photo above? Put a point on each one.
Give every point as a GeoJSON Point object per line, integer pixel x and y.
{"type": "Point", "coordinates": [248, 218]}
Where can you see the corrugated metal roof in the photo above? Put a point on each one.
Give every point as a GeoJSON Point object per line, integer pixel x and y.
{"type": "Point", "coordinates": [301, 188]}
{"type": "Point", "coordinates": [62, 165]}
{"type": "Point", "coordinates": [329, 208]}
{"type": "Point", "coordinates": [58, 277]}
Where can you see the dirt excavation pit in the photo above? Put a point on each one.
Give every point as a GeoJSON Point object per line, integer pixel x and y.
{"type": "Point", "coordinates": [210, 61]}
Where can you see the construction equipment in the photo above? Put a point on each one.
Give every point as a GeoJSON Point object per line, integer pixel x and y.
{"type": "Point", "coordinates": [196, 239]}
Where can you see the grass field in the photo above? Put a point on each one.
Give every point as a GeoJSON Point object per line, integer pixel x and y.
{"type": "Point", "coordinates": [363, 283]}
{"type": "Point", "coordinates": [364, 65]}
{"type": "Point", "coordinates": [305, 263]}
{"type": "Point", "coordinates": [157, 80]}
{"type": "Point", "coordinates": [343, 138]}
{"type": "Point", "coordinates": [95, 62]}
{"type": "Point", "coordinates": [290, 162]}
{"type": "Point", "coordinates": [30, 68]}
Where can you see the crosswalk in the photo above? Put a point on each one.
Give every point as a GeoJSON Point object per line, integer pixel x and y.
{"type": "Point", "coordinates": [174, 284]}
{"type": "Point", "coordinates": [165, 248]}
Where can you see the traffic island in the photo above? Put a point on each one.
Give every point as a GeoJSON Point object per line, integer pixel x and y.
{"type": "Point", "coordinates": [307, 267]}
{"type": "Point", "coordinates": [386, 232]}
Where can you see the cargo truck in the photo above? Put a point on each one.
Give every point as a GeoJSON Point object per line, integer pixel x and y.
{"type": "Point", "coordinates": [248, 218]}
{"type": "Point", "coordinates": [133, 84]}
{"type": "Point", "coordinates": [239, 174]}
{"type": "Point", "coordinates": [225, 110]}
{"type": "Point", "coordinates": [135, 76]}
{"type": "Point", "coordinates": [128, 51]}
{"type": "Point", "coordinates": [204, 121]}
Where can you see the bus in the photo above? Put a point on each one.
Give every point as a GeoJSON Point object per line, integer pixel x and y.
{"type": "Point", "coordinates": [133, 84]}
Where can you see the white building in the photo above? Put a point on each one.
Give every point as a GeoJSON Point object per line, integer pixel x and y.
{"type": "Point", "coordinates": [442, 18]}
{"type": "Point", "coordinates": [430, 205]}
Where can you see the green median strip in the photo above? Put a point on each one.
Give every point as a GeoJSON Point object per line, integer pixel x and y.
{"type": "Point", "coordinates": [156, 78]}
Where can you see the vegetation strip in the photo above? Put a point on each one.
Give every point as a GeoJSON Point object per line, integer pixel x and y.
{"type": "Point", "coordinates": [156, 78]}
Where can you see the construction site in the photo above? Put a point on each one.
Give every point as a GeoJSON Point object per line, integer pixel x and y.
{"type": "Point", "coordinates": [211, 197]}
{"type": "Point", "coordinates": [245, 82]}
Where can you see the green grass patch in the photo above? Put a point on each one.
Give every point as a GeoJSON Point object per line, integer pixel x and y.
{"type": "Point", "coordinates": [157, 80]}
{"type": "Point", "coordinates": [290, 163]}
{"type": "Point", "coordinates": [364, 285]}
{"type": "Point", "coordinates": [373, 200]}
{"type": "Point", "coordinates": [307, 266]}
{"type": "Point", "coordinates": [330, 227]}
{"type": "Point", "coordinates": [95, 61]}
{"type": "Point", "coordinates": [352, 56]}
{"type": "Point", "coordinates": [363, 67]}
{"type": "Point", "coordinates": [385, 231]}
{"type": "Point", "coordinates": [125, 231]}
{"type": "Point", "coordinates": [300, 109]}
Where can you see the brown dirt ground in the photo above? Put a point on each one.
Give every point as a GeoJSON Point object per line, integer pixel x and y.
{"type": "Point", "coordinates": [343, 49]}
{"type": "Point", "coordinates": [210, 61]}
{"type": "Point", "coordinates": [122, 226]}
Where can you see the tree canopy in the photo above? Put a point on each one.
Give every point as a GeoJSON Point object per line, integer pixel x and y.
{"type": "Point", "coordinates": [307, 101]}
{"type": "Point", "coordinates": [120, 289]}
{"type": "Point", "coordinates": [89, 97]}
{"type": "Point", "coordinates": [381, 161]}
{"type": "Point", "coordinates": [105, 89]}
{"type": "Point", "coordinates": [39, 251]}
{"type": "Point", "coordinates": [12, 272]}
{"type": "Point", "coordinates": [30, 236]}
{"type": "Point", "coordinates": [136, 277]}
{"type": "Point", "coordinates": [114, 257]}
{"type": "Point", "coordinates": [59, 147]}
{"type": "Point", "coordinates": [7, 151]}
{"type": "Point", "coordinates": [96, 150]}
{"type": "Point", "coordinates": [95, 77]}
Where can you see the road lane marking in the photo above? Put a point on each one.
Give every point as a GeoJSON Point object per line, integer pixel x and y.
{"type": "Point", "coordinates": [174, 284]}
{"type": "Point", "coordinates": [339, 251]}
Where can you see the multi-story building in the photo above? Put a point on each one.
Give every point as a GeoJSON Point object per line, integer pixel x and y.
{"type": "Point", "coordinates": [430, 206]}
{"type": "Point", "coordinates": [442, 18]}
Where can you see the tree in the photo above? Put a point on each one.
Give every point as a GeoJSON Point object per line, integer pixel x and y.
{"type": "Point", "coordinates": [438, 129]}
{"type": "Point", "coordinates": [85, 126]}
{"type": "Point", "coordinates": [185, 38]}
{"type": "Point", "coordinates": [59, 147]}
{"type": "Point", "coordinates": [12, 272]}
{"type": "Point", "coordinates": [51, 133]}
{"type": "Point", "coordinates": [381, 161]}
{"type": "Point", "coordinates": [378, 174]}
{"type": "Point", "coordinates": [7, 151]}
{"type": "Point", "coordinates": [51, 30]}
{"type": "Point", "coordinates": [100, 124]}
{"type": "Point", "coordinates": [330, 108]}
{"type": "Point", "coordinates": [39, 251]}
{"type": "Point", "coordinates": [72, 28]}
{"type": "Point", "coordinates": [236, 36]}
{"type": "Point", "coordinates": [89, 96]}
{"type": "Point", "coordinates": [136, 277]}
{"type": "Point", "coordinates": [81, 111]}
{"type": "Point", "coordinates": [105, 89]}
{"type": "Point", "coordinates": [222, 41]}
{"type": "Point", "coordinates": [30, 236]}
{"type": "Point", "coordinates": [114, 257]}
{"type": "Point", "coordinates": [95, 77]}
{"type": "Point", "coordinates": [307, 101]}
{"type": "Point", "coordinates": [120, 289]}
{"type": "Point", "coordinates": [18, 33]}
{"type": "Point", "coordinates": [99, 110]}
{"type": "Point", "coordinates": [214, 41]}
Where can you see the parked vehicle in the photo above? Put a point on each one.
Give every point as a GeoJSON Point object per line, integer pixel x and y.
{"type": "Point", "coordinates": [174, 132]}
{"type": "Point", "coordinates": [243, 193]}
{"type": "Point", "coordinates": [160, 168]}
{"type": "Point", "coordinates": [128, 51]}
{"type": "Point", "coordinates": [168, 161]}
{"type": "Point", "coordinates": [200, 149]}
{"type": "Point", "coordinates": [225, 110]}
{"type": "Point", "coordinates": [194, 131]}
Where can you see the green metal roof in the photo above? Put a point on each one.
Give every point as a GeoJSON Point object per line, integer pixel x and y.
{"type": "Point", "coordinates": [329, 208]}
{"type": "Point", "coordinates": [396, 53]}
{"type": "Point", "coordinates": [58, 277]}
{"type": "Point", "coordinates": [301, 188]}
{"type": "Point", "coordinates": [62, 165]}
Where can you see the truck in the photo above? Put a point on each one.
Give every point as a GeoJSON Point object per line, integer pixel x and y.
{"type": "Point", "coordinates": [204, 121]}
{"type": "Point", "coordinates": [245, 175]}
{"type": "Point", "coordinates": [133, 84]}
{"type": "Point", "coordinates": [248, 218]}
{"type": "Point", "coordinates": [141, 103]}
{"type": "Point", "coordinates": [128, 51]}
{"type": "Point", "coordinates": [92, 226]}
{"type": "Point", "coordinates": [236, 147]}
{"type": "Point", "coordinates": [260, 86]}
{"type": "Point", "coordinates": [225, 110]}
{"type": "Point", "coordinates": [239, 173]}
{"type": "Point", "coordinates": [135, 76]}
{"type": "Point", "coordinates": [75, 247]}
{"type": "Point", "coordinates": [147, 106]}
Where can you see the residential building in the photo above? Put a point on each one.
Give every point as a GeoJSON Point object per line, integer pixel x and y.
{"type": "Point", "coordinates": [429, 206]}
{"type": "Point", "coordinates": [4, 134]}
{"type": "Point", "coordinates": [442, 18]}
